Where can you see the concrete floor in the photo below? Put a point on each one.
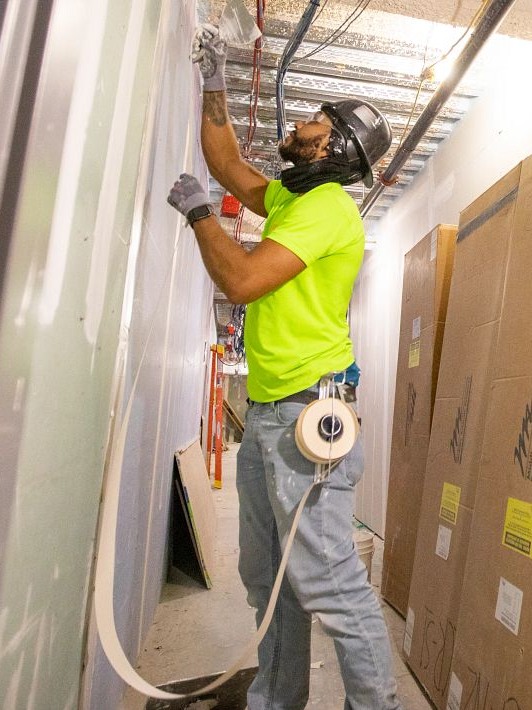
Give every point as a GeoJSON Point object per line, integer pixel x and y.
{"type": "Point", "coordinates": [198, 632]}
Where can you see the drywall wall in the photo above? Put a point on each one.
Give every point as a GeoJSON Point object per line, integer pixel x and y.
{"type": "Point", "coordinates": [105, 302]}
{"type": "Point", "coordinates": [493, 137]}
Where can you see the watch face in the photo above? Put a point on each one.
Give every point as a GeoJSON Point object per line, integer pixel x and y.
{"type": "Point", "coordinates": [199, 213]}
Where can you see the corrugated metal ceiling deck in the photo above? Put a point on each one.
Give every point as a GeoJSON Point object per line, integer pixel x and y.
{"type": "Point", "coordinates": [376, 59]}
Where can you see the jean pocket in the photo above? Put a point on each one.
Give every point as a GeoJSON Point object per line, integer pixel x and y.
{"type": "Point", "coordinates": [287, 413]}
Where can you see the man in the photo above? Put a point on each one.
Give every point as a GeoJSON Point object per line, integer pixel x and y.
{"type": "Point", "coordinates": [298, 282]}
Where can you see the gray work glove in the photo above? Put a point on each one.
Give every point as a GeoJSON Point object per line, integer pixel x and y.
{"type": "Point", "coordinates": [210, 50]}
{"type": "Point", "coordinates": [186, 194]}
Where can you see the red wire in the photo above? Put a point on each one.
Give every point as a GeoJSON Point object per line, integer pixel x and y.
{"type": "Point", "coordinates": [255, 80]}
{"type": "Point", "coordinates": [253, 103]}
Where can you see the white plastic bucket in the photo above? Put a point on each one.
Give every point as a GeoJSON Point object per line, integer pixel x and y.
{"type": "Point", "coordinates": [365, 548]}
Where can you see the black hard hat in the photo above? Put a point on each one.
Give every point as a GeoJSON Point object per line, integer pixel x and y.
{"type": "Point", "coordinates": [365, 131]}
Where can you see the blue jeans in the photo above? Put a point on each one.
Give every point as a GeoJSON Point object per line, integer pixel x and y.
{"type": "Point", "coordinates": [325, 576]}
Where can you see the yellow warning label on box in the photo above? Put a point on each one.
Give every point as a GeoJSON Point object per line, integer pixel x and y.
{"type": "Point", "coordinates": [517, 533]}
{"type": "Point", "coordinates": [450, 501]}
{"type": "Point", "coordinates": [413, 353]}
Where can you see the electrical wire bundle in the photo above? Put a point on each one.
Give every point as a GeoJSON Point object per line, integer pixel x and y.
{"type": "Point", "coordinates": [290, 49]}
{"type": "Point", "coordinates": [338, 32]}
{"type": "Point", "coordinates": [255, 82]}
{"type": "Point", "coordinates": [293, 44]}
{"type": "Point", "coordinates": [238, 316]}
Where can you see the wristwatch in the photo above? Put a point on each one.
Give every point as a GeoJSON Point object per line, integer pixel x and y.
{"type": "Point", "coordinates": [201, 212]}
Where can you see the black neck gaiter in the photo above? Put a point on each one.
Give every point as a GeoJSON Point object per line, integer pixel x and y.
{"type": "Point", "coordinates": [303, 178]}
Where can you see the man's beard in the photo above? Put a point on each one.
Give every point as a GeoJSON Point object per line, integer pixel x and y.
{"type": "Point", "coordinates": [299, 151]}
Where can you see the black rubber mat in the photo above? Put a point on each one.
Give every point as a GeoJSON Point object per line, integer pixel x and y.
{"type": "Point", "coordinates": [229, 696]}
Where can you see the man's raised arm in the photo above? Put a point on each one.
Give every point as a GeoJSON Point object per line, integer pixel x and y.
{"type": "Point", "coordinates": [218, 140]}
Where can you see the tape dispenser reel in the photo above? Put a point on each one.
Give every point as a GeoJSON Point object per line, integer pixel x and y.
{"type": "Point", "coordinates": [326, 430]}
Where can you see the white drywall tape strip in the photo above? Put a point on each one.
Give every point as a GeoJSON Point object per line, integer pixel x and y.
{"type": "Point", "coordinates": [105, 570]}
{"type": "Point", "coordinates": [104, 581]}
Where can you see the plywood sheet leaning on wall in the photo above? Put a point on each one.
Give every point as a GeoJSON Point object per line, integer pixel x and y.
{"type": "Point", "coordinates": [427, 277]}
{"type": "Point", "coordinates": [486, 238]}
{"type": "Point", "coordinates": [195, 495]}
{"type": "Point", "coordinates": [491, 664]}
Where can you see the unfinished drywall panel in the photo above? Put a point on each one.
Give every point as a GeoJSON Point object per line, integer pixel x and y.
{"type": "Point", "coordinates": [192, 482]}
{"type": "Point", "coordinates": [92, 224]}
{"type": "Point", "coordinates": [489, 141]}
{"type": "Point", "coordinates": [167, 328]}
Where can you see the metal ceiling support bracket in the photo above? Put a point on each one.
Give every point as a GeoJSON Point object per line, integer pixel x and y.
{"type": "Point", "coordinates": [488, 23]}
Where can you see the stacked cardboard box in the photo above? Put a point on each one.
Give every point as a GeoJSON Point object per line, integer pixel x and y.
{"type": "Point", "coordinates": [426, 282]}
{"type": "Point", "coordinates": [492, 665]}
{"type": "Point", "coordinates": [490, 232]}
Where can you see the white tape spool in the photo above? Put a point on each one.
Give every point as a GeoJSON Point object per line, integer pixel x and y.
{"type": "Point", "coordinates": [310, 441]}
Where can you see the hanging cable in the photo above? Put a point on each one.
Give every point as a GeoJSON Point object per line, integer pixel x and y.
{"type": "Point", "coordinates": [416, 99]}
{"type": "Point", "coordinates": [322, 8]}
{"type": "Point", "coordinates": [426, 72]}
{"type": "Point", "coordinates": [255, 81]}
{"type": "Point", "coordinates": [338, 32]}
{"type": "Point", "coordinates": [471, 26]}
{"type": "Point", "coordinates": [290, 49]}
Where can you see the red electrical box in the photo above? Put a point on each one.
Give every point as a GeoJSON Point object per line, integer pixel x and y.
{"type": "Point", "coordinates": [230, 206]}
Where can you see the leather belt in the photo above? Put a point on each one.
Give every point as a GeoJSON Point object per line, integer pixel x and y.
{"type": "Point", "coordinates": [309, 395]}
{"type": "Point", "coordinates": [304, 397]}
{"type": "Point", "coordinates": [346, 392]}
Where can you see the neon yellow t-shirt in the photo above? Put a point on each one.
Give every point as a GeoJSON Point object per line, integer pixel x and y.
{"type": "Point", "coordinates": [299, 332]}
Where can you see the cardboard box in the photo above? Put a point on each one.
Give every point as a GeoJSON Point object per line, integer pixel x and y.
{"type": "Point", "coordinates": [487, 233]}
{"type": "Point", "coordinates": [426, 282]}
{"type": "Point", "coordinates": [492, 665]}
